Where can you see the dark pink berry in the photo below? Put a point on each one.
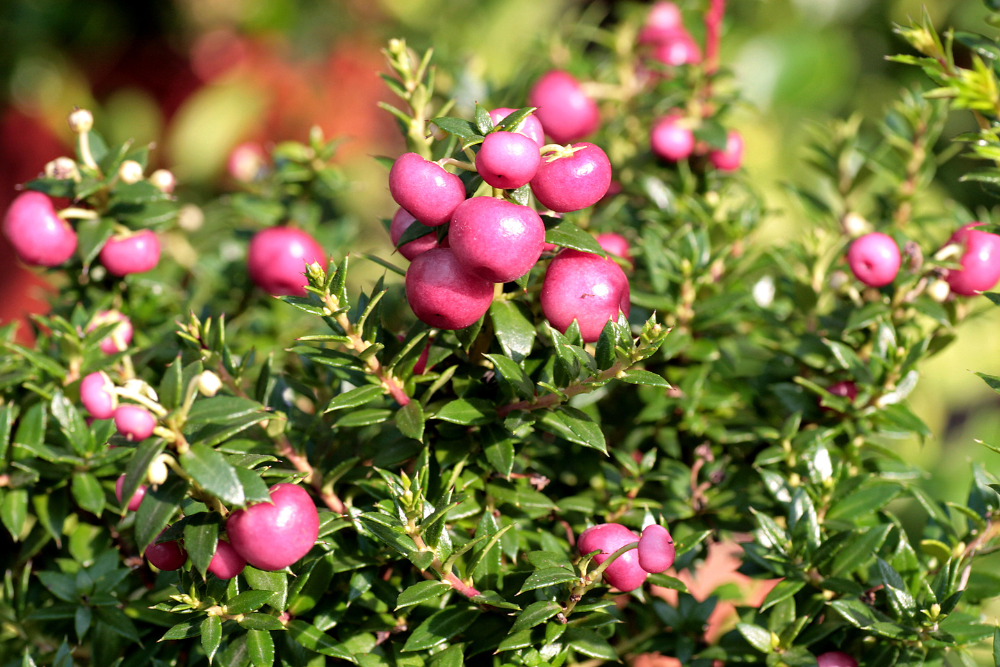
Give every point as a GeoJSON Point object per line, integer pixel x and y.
{"type": "Point", "coordinates": [656, 549]}
{"type": "Point", "coordinates": [671, 138]}
{"type": "Point", "coordinates": [845, 389]}
{"type": "Point", "coordinates": [226, 563]}
{"type": "Point", "coordinates": [835, 659]}
{"type": "Point", "coordinates": [272, 536]}
{"type": "Point", "coordinates": [278, 257]}
{"type": "Point", "coordinates": [573, 182]}
{"type": "Point", "coordinates": [401, 221]}
{"type": "Point", "coordinates": [425, 189]}
{"type": "Point", "coordinates": [663, 20]}
{"type": "Point", "coordinates": [496, 240]}
{"type": "Point", "coordinates": [507, 160]}
{"type": "Point", "coordinates": [614, 244]}
{"type": "Point", "coordinates": [166, 556]}
{"type": "Point", "coordinates": [137, 253]}
{"type": "Point", "coordinates": [625, 573]}
{"type": "Point", "coordinates": [874, 259]}
{"type": "Point", "coordinates": [246, 161]}
{"type": "Point", "coordinates": [584, 287]}
{"type": "Point", "coordinates": [133, 422]}
{"type": "Point", "coordinates": [97, 393]}
{"type": "Point", "coordinates": [443, 294]}
{"type": "Point", "coordinates": [676, 48]}
{"type": "Point", "coordinates": [980, 261]}
{"type": "Point", "coordinates": [120, 336]}
{"type": "Point", "coordinates": [38, 235]}
{"type": "Point", "coordinates": [564, 110]}
{"type": "Point", "coordinates": [729, 158]}
{"type": "Point", "coordinates": [529, 127]}
{"type": "Point", "coordinates": [135, 500]}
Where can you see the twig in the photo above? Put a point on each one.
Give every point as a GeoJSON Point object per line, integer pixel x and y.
{"type": "Point", "coordinates": [552, 400]}
{"type": "Point", "coordinates": [449, 577]}
{"type": "Point", "coordinates": [713, 32]}
{"type": "Point", "coordinates": [301, 463]}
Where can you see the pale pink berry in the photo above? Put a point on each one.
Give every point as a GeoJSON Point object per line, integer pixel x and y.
{"type": "Point", "coordinates": [246, 161]}
{"type": "Point", "coordinates": [166, 556]}
{"type": "Point", "coordinates": [671, 138]}
{"type": "Point", "coordinates": [226, 563]}
{"type": "Point", "coordinates": [135, 500]}
{"type": "Point", "coordinates": [980, 261]}
{"type": "Point", "coordinates": [443, 294]}
{"type": "Point", "coordinates": [507, 160]}
{"type": "Point", "coordinates": [835, 659]}
{"type": "Point", "coordinates": [676, 48]}
{"type": "Point", "coordinates": [37, 234]}
{"type": "Point", "coordinates": [663, 20]}
{"type": "Point", "coordinates": [564, 110]}
{"type": "Point", "coordinates": [401, 221]}
{"type": "Point", "coordinates": [572, 182]}
{"type": "Point", "coordinates": [529, 127]}
{"type": "Point", "coordinates": [425, 189]}
{"type": "Point", "coordinates": [615, 244]}
{"type": "Point", "coordinates": [278, 257]}
{"type": "Point", "coordinates": [584, 287]}
{"type": "Point", "coordinates": [729, 158]}
{"type": "Point", "coordinates": [133, 422]}
{"type": "Point", "coordinates": [97, 393]}
{"type": "Point", "coordinates": [496, 240]}
{"type": "Point", "coordinates": [136, 253]}
{"type": "Point", "coordinates": [624, 573]}
{"type": "Point", "coordinates": [272, 536]}
{"type": "Point", "coordinates": [120, 337]}
{"type": "Point", "coordinates": [656, 549]}
{"type": "Point", "coordinates": [874, 259]}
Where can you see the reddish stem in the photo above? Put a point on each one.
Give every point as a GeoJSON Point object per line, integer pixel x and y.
{"type": "Point", "coordinates": [301, 464]}
{"type": "Point", "coordinates": [450, 578]}
{"type": "Point", "coordinates": [713, 32]}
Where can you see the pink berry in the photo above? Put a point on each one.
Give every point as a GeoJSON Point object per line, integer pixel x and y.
{"type": "Point", "coordinates": [496, 240]}
{"type": "Point", "coordinates": [226, 563]}
{"type": "Point", "coordinates": [874, 258]}
{"type": "Point", "coordinates": [564, 110]}
{"type": "Point", "coordinates": [135, 500]}
{"type": "Point", "coordinates": [664, 19]}
{"type": "Point", "coordinates": [401, 221]}
{"type": "Point", "coordinates": [272, 536]}
{"type": "Point", "coordinates": [573, 182]}
{"type": "Point", "coordinates": [980, 261]}
{"type": "Point", "coordinates": [671, 139]}
{"type": "Point", "coordinates": [134, 423]}
{"type": "Point", "coordinates": [656, 549]}
{"type": "Point", "coordinates": [38, 235]}
{"type": "Point", "coordinates": [625, 573]}
{"type": "Point", "coordinates": [97, 393]}
{"type": "Point", "coordinates": [614, 244]}
{"type": "Point", "coordinates": [529, 127]}
{"type": "Point", "coordinates": [120, 336]}
{"type": "Point", "coordinates": [844, 388]}
{"type": "Point", "coordinates": [729, 158]}
{"type": "Point", "coordinates": [425, 189]}
{"type": "Point", "coordinates": [166, 556]}
{"type": "Point", "coordinates": [676, 48]}
{"type": "Point", "coordinates": [584, 287]}
{"type": "Point", "coordinates": [442, 294]}
{"type": "Point", "coordinates": [835, 659]}
{"type": "Point", "coordinates": [277, 260]}
{"type": "Point", "coordinates": [245, 161]}
{"type": "Point", "coordinates": [137, 253]}
{"type": "Point", "coordinates": [507, 160]}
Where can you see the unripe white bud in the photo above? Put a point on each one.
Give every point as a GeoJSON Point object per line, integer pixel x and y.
{"type": "Point", "coordinates": [63, 168]}
{"type": "Point", "coordinates": [158, 471]}
{"type": "Point", "coordinates": [209, 383]}
{"type": "Point", "coordinates": [164, 180]}
{"type": "Point", "coordinates": [81, 121]}
{"type": "Point", "coordinates": [938, 290]}
{"type": "Point", "coordinates": [190, 218]}
{"type": "Point", "coordinates": [855, 225]}
{"type": "Point", "coordinates": [130, 172]}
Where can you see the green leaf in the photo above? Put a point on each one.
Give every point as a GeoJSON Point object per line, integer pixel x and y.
{"type": "Point", "coordinates": [201, 536]}
{"type": "Point", "coordinates": [514, 328]}
{"type": "Point", "coordinates": [667, 581]}
{"type": "Point", "coordinates": [31, 431]}
{"type": "Point", "coordinates": [276, 582]}
{"type": "Point", "coordinates": [785, 589]}
{"type": "Point", "coordinates": [864, 500]}
{"type": "Point", "coordinates": [392, 535]}
{"type": "Point", "coordinates": [14, 511]}
{"type": "Point", "coordinates": [60, 585]}
{"type": "Point", "coordinates": [590, 643]}
{"type": "Point", "coordinates": [568, 235]}
{"type": "Point", "coordinates": [213, 473]}
{"type": "Point", "coordinates": [996, 647]}
{"type": "Point", "coordinates": [359, 418]}
{"type": "Point", "coordinates": [535, 613]}
{"type": "Point", "coordinates": [450, 657]}
{"type": "Point", "coordinates": [249, 601]}
{"type": "Point", "coordinates": [71, 424]}
{"type": "Point", "coordinates": [498, 445]}
{"type": "Point", "coordinates": [170, 389]}
{"type": "Point", "coordinates": [421, 592]}
{"type": "Point", "coordinates": [484, 123]}
{"type": "Point", "coordinates": [135, 471]}
{"type": "Point", "coordinates": [459, 127]}
{"type": "Point", "coordinates": [158, 506]}
{"type": "Point", "coordinates": [440, 627]}
{"type": "Point", "coordinates": [467, 412]}
{"type": "Point", "coordinates": [574, 425]}
{"type": "Point", "coordinates": [211, 636]}
{"type": "Point", "coordinates": [860, 549]}
{"type": "Point", "coordinates": [116, 619]}
{"type": "Point", "coordinates": [184, 630]}
{"type": "Point", "coordinates": [221, 409]}
{"type": "Point", "coordinates": [410, 420]}
{"type": "Point", "coordinates": [88, 493]}
{"type": "Point", "coordinates": [757, 636]}
{"type": "Point", "coordinates": [260, 647]}
{"type": "Point", "coordinates": [514, 118]}
{"type": "Point", "coordinates": [514, 375]}
{"type": "Point", "coordinates": [354, 398]}
{"type": "Point", "coordinates": [522, 497]}
{"type": "Point", "coordinates": [315, 640]}
{"type": "Point", "coordinates": [638, 376]}
{"type": "Point", "coordinates": [8, 413]}
{"type": "Point", "coordinates": [254, 488]}
{"type": "Point", "coordinates": [91, 236]}
{"type": "Point", "coordinates": [257, 621]}
{"type": "Point", "coordinates": [550, 576]}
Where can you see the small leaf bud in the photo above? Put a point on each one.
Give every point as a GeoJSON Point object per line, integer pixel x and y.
{"type": "Point", "coordinates": [81, 120]}
{"type": "Point", "coordinates": [209, 383]}
{"type": "Point", "coordinates": [130, 172]}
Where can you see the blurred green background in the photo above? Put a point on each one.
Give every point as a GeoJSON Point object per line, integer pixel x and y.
{"type": "Point", "coordinates": [198, 77]}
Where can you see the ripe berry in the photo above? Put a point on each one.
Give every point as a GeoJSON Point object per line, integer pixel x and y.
{"type": "Point", "coordinates": [137, 253]}
{"type": "Point", "coordinates": [656, 549]}
{"type": "Point", "coordinates": [663, 20]}
{"type": "Point", "coordinates": [135, 500]}
{"type": "Point", "coordinates": [277, 260]}
{"type": "Point", "coordinates": [564, 110]}
{"type": "Point", "coordinates": [97, 393]}
{"type": "Point", "coordinates": [572, 182]}
{"type": "Point", "coordinates": [272, 536]}
{"type": "Point", "coordinates": [38, 235]}
{"type": "Point", "coordinates": [625, 573]}
{"type": "Point", "coordinates": [401, 221]}
{"type": "Point", "coordinates": [729, 158]}
{"type": "Point", "coordinates": [134, 423]}
{"type": "Point", "coordinates": [246, 161]}
{"type": "Point", "coordinates": [671, 139]}
{"type": "Point", "coordinates": [588, 288]}
{"type": "Point", "coordinates": [507, 160]}
{"type": "Point", "coordinates": [425, 189]}
{"type": "Point", "coordinates": [614, 244]}
{"type": "Point", "coordinates": [874, 258]}
{"type": "Point", "coordinates": [226, 563]}
{"type": "Point", "coordinates": [844, 388]}
{"type": "Point", "coordinates": [980, 261]}
{"type": "Point", "coordinates": [496, 240]}
{"type": "Point", "coordinates": [442, 294]}
{"type": "Point", "coordinates": [676, 48]}
{"type": "Point", "coordinates": [120, 337]}
{"type": "Point", "coordinates": [835, 659]}
{"type": "Point", "coordinates": [529, 127]}
{"type": "Point", "coordinates": [166, 556]}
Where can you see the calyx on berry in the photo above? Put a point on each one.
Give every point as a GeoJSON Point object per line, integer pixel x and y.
{"type": "Point", "coordinates": [572, 178]}
{"type": "Point", "coordinates": [272, 536]}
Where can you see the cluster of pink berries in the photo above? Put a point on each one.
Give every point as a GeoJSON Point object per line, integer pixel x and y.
{"type": "Point", "coordinates": [269, 536]}
{"type": "Point", "coordinates": [629, 570]}
{"type": "Point", "coordinates": [669, 41]}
